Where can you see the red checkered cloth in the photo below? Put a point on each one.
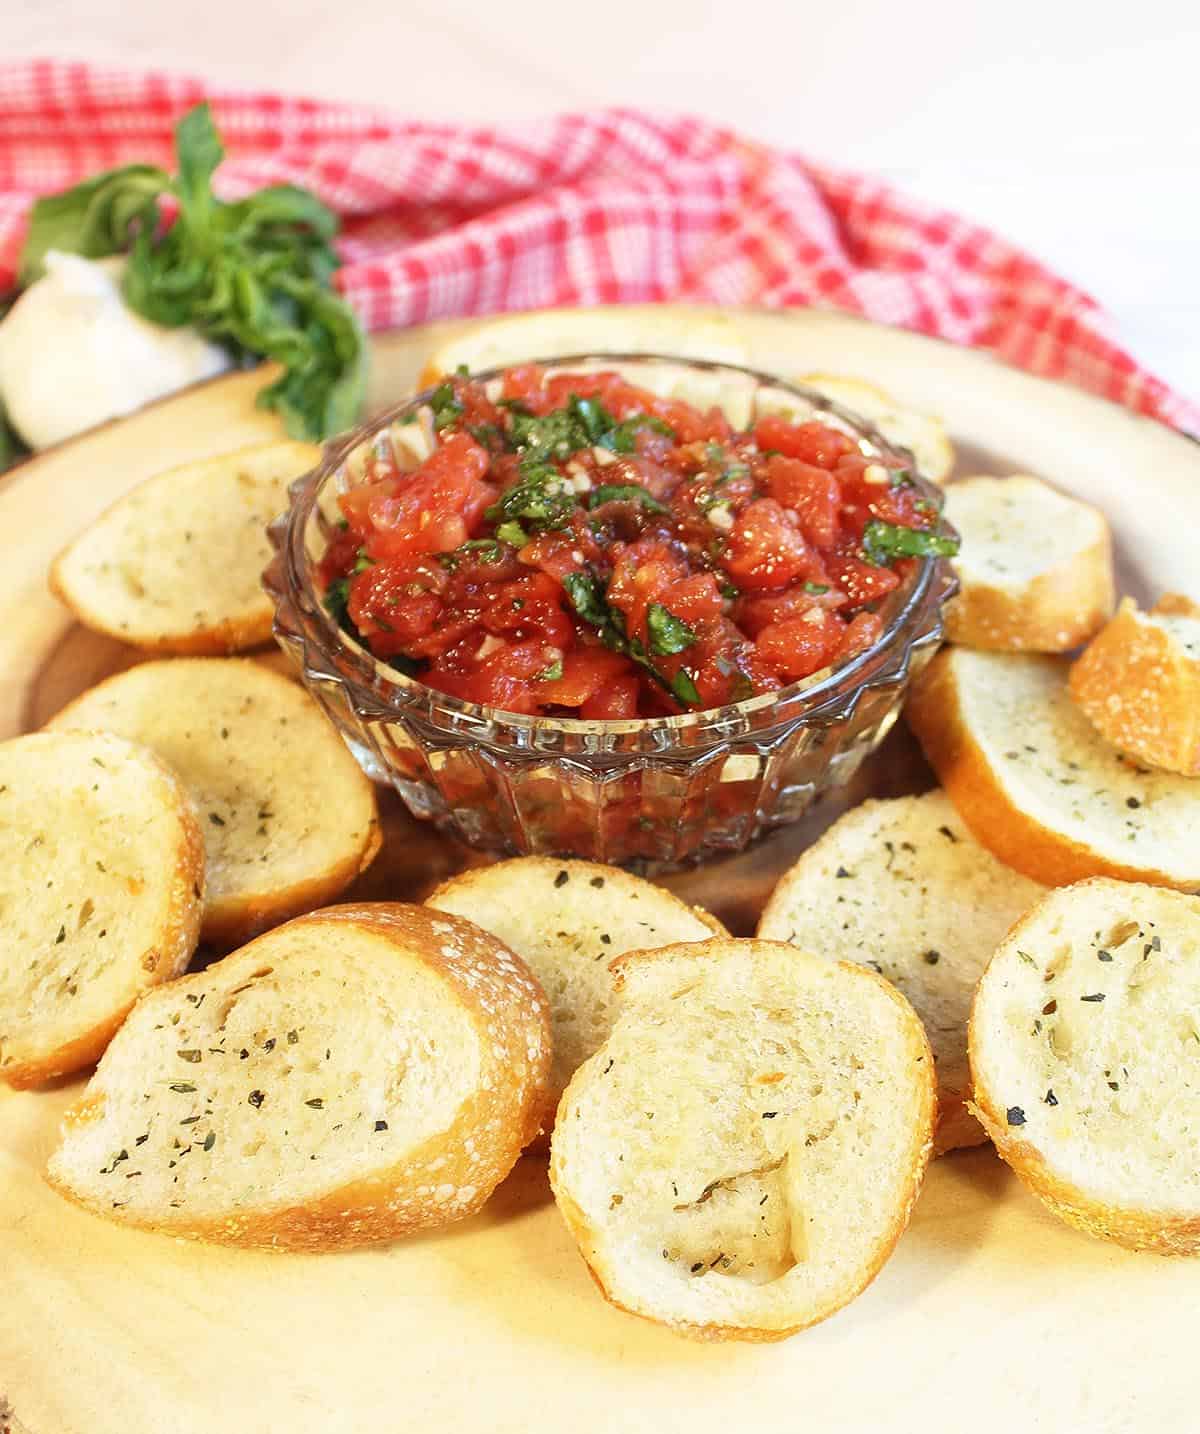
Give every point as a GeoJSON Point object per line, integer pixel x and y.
{"type": "Point", "coordinates": [606, 207]}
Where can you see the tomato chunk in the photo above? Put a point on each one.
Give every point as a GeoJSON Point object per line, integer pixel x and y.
{"type": "Point", "coordinates": [767, 551]}
{"type": "Point", "coordinates": [802, 645]}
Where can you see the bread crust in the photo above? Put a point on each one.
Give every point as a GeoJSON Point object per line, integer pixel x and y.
{"type": "Point", "coordinates": [1054, 612]}
{"type": "Point", "coordinates": [1161, 1233]}
{"type": "Point", "coordinates": [510, 1012]}
{"type": "Point", "coordinates": [1141, 690]}
{"type": "Point", "coordinates": [934, 713]}
{"type": "Point", "coordinates": [164, 960]}
{"type": "Point", "coordinates": [915, 1165]}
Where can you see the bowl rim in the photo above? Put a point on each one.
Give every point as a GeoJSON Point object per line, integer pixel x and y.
{"type": "Point", "coordinates": [826, 687]}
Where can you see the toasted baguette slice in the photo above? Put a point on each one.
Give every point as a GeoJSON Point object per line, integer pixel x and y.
{"type": "Point", "coordinates": [627, 329]}
{"type": "Point", "coordinates": [176, 564]}
{"type": "Point", "coordinates": [903, 887]}
{"type": "Point", "coordinates": [101, 891]}
{"type": "Point", "coordinates": [1139, 683]}
{"type": "Point", "coordinates": [288, 817]}
{"type": "Point", "coordinates": [739, 1158]}
{"type": "Point", "coordinates": [1038, 785]}
{"type": "Point", "coordinates": [1035, 569]}
{"type": "Point", "coordinates": [355, 1075]}
{"type": "Point", "coordinates": [1085, 1037]}
{"type": "Point", "coordinates": [924, 437]}
{"type": "Point", "coordinates": [568, 920]}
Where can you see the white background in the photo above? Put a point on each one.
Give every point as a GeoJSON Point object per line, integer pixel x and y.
{"type": "Point", "coordinates": [1072, 128]}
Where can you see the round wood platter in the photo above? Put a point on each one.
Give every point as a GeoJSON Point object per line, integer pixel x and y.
{"type": "Point", "coordinates": [990, 1311]}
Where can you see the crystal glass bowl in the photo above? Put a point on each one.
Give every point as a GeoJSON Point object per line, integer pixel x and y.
{"type": "Point", "coordinates": [652, 791]}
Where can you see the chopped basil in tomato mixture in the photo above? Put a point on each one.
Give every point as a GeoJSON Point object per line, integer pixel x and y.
{"type": "Point", "coordinates": [578, 546]}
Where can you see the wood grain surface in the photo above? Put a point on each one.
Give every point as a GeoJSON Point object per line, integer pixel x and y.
{"type": "Point", "coordinates": [990, 1311]}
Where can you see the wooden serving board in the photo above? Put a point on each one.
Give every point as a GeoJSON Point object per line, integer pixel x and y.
{"type": "Point", "coordinates": [990, 1312]}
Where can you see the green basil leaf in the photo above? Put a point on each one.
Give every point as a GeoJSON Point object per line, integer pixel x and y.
{"type": "Point", "coordinates": [278, 211]}
{"type": "Point", "coordinates": [553, 435]}
{"type": "Point", "coordinates": [883, 542]}
{"type": "Point", "coordinates": [593, 417]}
{"type": "Point", "coordinates": [94, 218]}
{"type": "Point", "coordinates": [621, 438]}
{"type": "Point", "coordinates": [512, 534]}
{"type": "Point", "coordinates": [337, 598]}
{"type": "Point", "coordinates": [624, 493]}
{"type": "Point", "coordinates": [198, 150]}
{"type": "Point", "coordinates": [584, 593]}
{"type": "Point", "coordinates": [541, 499]}
{"type": "Point", "coordinates": [488, 436]}
{"type": "Point", "coordinates": [668, 634]}
{"type": "Point", "coordinates": [446, 407]}
{"type": "Point", "coordinates": [683, 685]}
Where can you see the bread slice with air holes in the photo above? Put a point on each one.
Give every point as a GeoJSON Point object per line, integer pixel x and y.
{"type": "Point", "coordinates": [925, 437]}
{"type": "Point", "coordinates": [741, 1155]}
{"type": "Point", "coordinates": [289, 819]}
{"type": "Point", "coordinates": [352, 1076]}
{"type": "Point", "coordinates": [176, 564]}
{"type": "Point", "coordinates": [569, 920]}
{"type": "Point", "coordinates": [101, 892]}
{"type": "Point", "coordinates": [627, 329]}
{"type": "Point", "coordinates": [1085, 1049]}
{"type": "Point", "coordinates": [1035, 568]}
{"type": "Point", "coordinates": [903, 887]}
{"type": "Point", "coordinates": [1038, 785]}
{"type": "Point", "coordinates": [1138, 682]}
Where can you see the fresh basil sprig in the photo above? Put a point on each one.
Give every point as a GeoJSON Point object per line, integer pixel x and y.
{"type": "Point", "coordinates": [252, 275]}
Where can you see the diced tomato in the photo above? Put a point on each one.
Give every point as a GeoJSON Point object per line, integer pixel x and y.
{"type": "Point", "coordinates": [400, 598]}
{"type": "Point", "coordinates": [802, 645]}
{"type": "Point", "coordinates": [526, 384]}
{"type": "Point", "coordinates": [555, 554]}
{"type": "Point", "coordinates": [618, 699]}
{"type": "Point", "coordinates": [340, 557]}
{"type": "Point", "coordinates": [433, 510]}
{"type": "Point", "coordinates": [864, 499]}
{"type": "Point", "coordinates": [758, 610]}
{"type": "Point", "coordinates": [815, 443]}
{"type": "Point", "coordinates": [587, 673]}
{"type": "Point", "coordinates": [767, 551]}
{"type": "Point", "coordinates": [494, 674]}
{"type": "Point", "coordinates": [812, 493]}
{"type": "Point", "coordinates": [865, 629]}
{"type": "Point", "coordinates": [530, 605]}
{"type": "Point", "coordinates": [861, 582]}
